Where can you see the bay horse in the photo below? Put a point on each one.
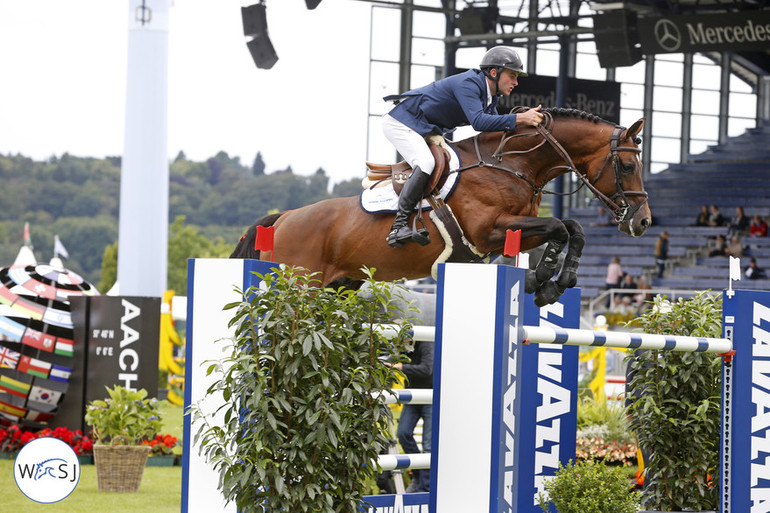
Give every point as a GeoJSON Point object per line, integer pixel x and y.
{"type": "Point", "coordinates": [500, 187]}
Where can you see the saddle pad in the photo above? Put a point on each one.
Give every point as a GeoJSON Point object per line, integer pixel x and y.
{"type": "Point", "coordinates": [383, 199]}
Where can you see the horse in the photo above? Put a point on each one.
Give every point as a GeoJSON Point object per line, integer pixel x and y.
{"type": "Point", "coordinates": [501, 183]}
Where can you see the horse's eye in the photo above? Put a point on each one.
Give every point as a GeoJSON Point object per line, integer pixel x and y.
{"type": "Point", "coordinates": [628, 167]}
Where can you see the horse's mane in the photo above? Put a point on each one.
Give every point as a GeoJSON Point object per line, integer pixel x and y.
{"type": "Point", "coordinates": [575, 113]}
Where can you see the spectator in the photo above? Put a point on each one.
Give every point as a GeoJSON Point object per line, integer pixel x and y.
{"type": "Point", "coordinates": [623, 305]}
{"type": "Point", "coordinates": [715, 217]}
{"type": "Point", "coordinates": [739, 224]}
{"type": "Point", "coordinates": [753, 271]}
{"type": "Point", "coordinates": [758, 227]}
{"type": "Point", "coordinates": [720, 246]}
{"type": "Point", "coordinates": [419, 374]}
{"type": "Point", "coordinates": [602, 218]}
{"type": "Point", "coordinates": [627, 283]}
{"type": "Point", "coordinates": [703, 216]}
{"type": "Point", "coordinates": [643, 297]}
{"type": "Point", "coordinates": [614, 274]}
{"type": "Point", "coordinates": [735, 248]}
{"type": "Point", "coordinates": [661, 252]}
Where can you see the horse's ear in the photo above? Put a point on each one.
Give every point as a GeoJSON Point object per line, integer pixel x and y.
{"type": "Point", "coordinates": [635, 129]}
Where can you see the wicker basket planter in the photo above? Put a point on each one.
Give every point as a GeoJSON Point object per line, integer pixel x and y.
{"type": "Point", "coordinates": [119, 468]}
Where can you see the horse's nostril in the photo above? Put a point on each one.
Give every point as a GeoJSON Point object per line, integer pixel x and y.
{"type": "Point", "coordinates": [645, 223]}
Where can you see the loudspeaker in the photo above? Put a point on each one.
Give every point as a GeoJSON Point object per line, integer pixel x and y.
{"type": "Point", "coordinates": [262, 52]}
{"type": "Point", "coordinates": [617, 38]}
{"type": "Point", "coordinates": [254, 20]}
{"type": "Point", "coordinates": [477, 20]}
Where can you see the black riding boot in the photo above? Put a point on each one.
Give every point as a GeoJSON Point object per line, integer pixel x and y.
{"type": "Point", "coordinates": [400, 232]}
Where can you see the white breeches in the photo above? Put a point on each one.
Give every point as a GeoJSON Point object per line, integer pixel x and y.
{"type": "Point", "coordinates": [409, 144]}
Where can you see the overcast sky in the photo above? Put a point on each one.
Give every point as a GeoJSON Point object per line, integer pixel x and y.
{"type": "Point", "coordinates": [64, 73]}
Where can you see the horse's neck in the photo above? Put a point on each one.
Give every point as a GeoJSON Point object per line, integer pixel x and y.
{"type": "Point", "coordinates": [543, 163]}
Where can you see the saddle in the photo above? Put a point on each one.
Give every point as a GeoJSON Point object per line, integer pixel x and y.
{"type": "Point", "coordinates": [400, 172]}
{"type": "Point", "coordinates": [457, 247]}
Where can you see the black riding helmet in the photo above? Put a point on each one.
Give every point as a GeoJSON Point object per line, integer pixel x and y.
{"type": "Point", "coordinates": [501, 57]}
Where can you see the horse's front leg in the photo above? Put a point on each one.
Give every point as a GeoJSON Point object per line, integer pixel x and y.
{"type": "Point", "coordinates": [577, 239]}
{"type": "Point", "coordinates": [550, 291]}
{"type": "Point", "coordinates": [534, 232]}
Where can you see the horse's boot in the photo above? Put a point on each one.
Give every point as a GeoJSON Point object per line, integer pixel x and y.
{"type": "Point", "coordinates": [412, 192]}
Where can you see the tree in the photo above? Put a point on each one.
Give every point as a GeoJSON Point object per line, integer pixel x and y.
{"type": "Point", "coordinates": [109, 268]}
{"type": "Point", "coordinates": [185, 242]}
{"type": "Point", "coordinates": [347, 188]}
{"type": "Point", "coordinates": [258, 168]}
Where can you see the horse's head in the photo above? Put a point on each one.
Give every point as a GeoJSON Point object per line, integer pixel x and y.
{"type": "Point", "coordinates": [616, 178]}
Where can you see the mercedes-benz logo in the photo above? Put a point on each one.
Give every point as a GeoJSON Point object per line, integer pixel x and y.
{"type": "Point", "coordinates": [668, 35]}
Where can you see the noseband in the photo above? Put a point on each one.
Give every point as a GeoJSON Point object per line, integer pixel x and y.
{"type": "Point", "coordinates": [617, 204]}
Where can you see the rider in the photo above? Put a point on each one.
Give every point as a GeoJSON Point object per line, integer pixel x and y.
{"type": "Point", "coordinates": [438, 108]}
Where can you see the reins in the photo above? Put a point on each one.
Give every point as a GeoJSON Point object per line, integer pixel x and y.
{"type": "Point", "coordinates": [617, 204]}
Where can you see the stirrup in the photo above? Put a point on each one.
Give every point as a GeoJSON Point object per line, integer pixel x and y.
{"type": "Point", "coordinates": [420, 236]}
{"type": "Point", "coordinates": [400, 236]}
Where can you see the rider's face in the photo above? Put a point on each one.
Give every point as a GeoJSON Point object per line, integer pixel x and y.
{"type": "Point", "coordinates": [508, 80]}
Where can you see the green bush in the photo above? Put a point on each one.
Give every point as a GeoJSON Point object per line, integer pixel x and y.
{"type": "Point", "coordinates": [590, 487]}
{"type": "Point", "coordinates": [302, 425]}
{"type": "Point", "coordinates": [127, 417]}
{"type": "Point", "coordinates": [677, 413]}
{"type": "Point", "coordinates": [610, 416]}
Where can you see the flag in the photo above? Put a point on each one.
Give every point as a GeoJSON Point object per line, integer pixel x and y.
{"type": "Point", "coordinates": [38, 416]}
{"type": "Point", "coordinates": [735, 268]}
{"type": "Point", "coordinates": [8, 357]}
{"type": "Point", "coordinates": [33, 366]}
{"type": "Point", "coordinates": [38, 340]}
{"type": "Point", "coordinates": [60, 373]}
{"type": "Point", "coordinates": [58, 247]}
{"type": "Point", "coordinates": [11, 409]}
{"type": "Point", "coordinates": [11, 329]}
{"type": "Point", "coordinates": [43, 395]}
{"type": "Point", "coordinates": [13, 386]}
{"type": "Point", "coordinates": [27, 239]}
{"type": "Point", "coordinates": [264, 238]}
{"type": "Point", "coordinates": [64, 346]}
{"type": "Point", "coordinates": [34, 405]}
{"type": "Point", "coordinates": [512, 243]}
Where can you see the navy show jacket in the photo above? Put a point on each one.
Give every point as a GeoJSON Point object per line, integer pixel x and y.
{"type": "Point", "coordinates": [451, 102]}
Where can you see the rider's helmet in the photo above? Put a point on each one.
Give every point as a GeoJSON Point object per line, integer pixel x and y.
{"type": "Point", "coordinates": [502, 57]}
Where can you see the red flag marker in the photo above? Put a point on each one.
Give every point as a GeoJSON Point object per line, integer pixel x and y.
{"type": "Point", "coordinates": [512, 243]}
{"type": "Point", "coordinates": [264, 239]}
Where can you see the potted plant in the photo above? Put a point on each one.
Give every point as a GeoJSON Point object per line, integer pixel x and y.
{"type": "Point", "coordinates": [674, 404]}
{"type": "Point", "coordinates": [589, 487]}
{"type": "Point", "coordinates": [161, 451]}
{"type": "Point", "coordinates": [121, 424]}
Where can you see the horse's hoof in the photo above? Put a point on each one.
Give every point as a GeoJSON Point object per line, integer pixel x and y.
{"type": "Point", "coordinates": [530, 282]}
{"type": "Point", "coordinates": [548, 293]}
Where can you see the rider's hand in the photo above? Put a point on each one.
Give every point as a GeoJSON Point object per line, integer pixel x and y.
{"type": "Point", "coordinates": [531, 117]}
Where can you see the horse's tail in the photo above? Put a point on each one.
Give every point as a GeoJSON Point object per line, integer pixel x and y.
{"type": "Point", "coordinates": [245, 248]}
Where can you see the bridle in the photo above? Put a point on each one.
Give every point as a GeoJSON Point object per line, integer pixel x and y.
{"type": "Point", "coordinates": [617, 204]}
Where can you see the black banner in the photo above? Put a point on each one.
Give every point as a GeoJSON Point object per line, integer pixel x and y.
{"type": "Point", "coordinates": [746, 30]}
{"type": "Point", "coordinates": [601, 98]}
{"type": "Point", "coordinates": [123, 337]}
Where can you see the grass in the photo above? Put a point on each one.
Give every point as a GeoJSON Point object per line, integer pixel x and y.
{"type": "Point", "coordinates": [160, 491]}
